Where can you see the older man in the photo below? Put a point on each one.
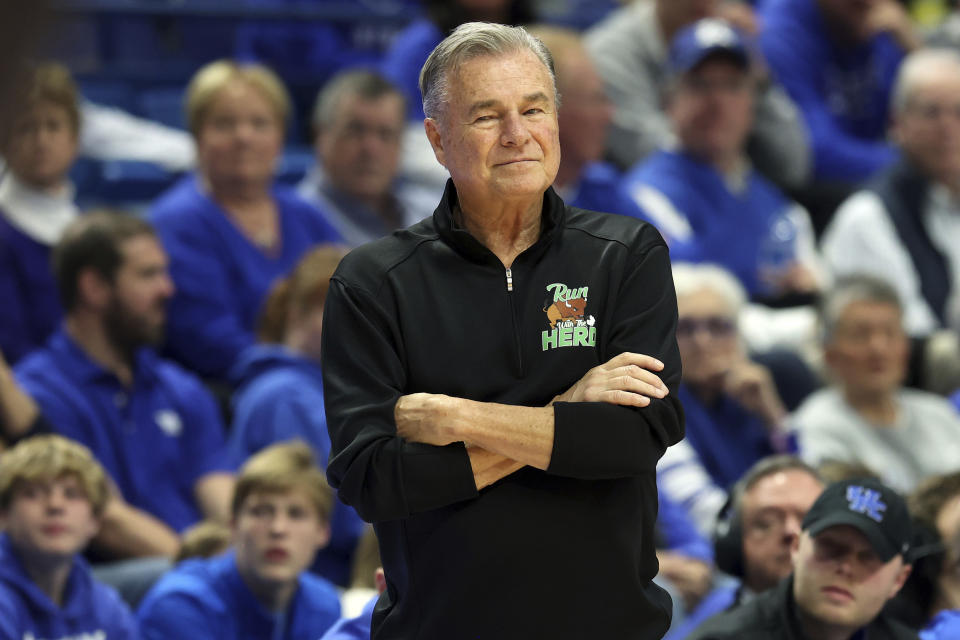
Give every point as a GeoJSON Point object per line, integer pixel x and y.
{"type": "Point", "coordinates": [904, 226]}
{"type": "Point", "coordinates": [867, 417]}
{"type": "Point", "coordinates": [358, 125]}
{"type": "Point", "coordinates": [848, 562]}
{"type": "Point", "coordinates": [706, 198]}
{"type": "Point", "coordinates": [756, 533]}
{"type": "Point", "coordinates": [630, 48]}
{"type": "Point", "coordinates": [488, 407]}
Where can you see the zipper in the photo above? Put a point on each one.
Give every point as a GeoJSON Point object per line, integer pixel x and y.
{"type": "Point", "coordinates": [513, 319]}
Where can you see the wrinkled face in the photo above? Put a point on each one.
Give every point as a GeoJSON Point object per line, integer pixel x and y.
{"type": "Point", "coordinates": [772, 510]}
{"type": "Point", "coordinates": [840, 580]}
{"type": "Point", "coordinates": [849, 17]}
{"type": "Point", "coordinates": [498, 134]}
{"type": "Point", "coordinates": [52, 519]}
{"type": "Point", "coordinates": [360, 151]}
{"type": "Point", "coordinates": [712, 108]}
{"type": "Point", "coordinates": [928, 128]}
{"type": "Point", "coordinates": [137, 310]}
{"type": "Point", "coordinates": [240, 138]}
{"type": "Point", "coordinates": [869, 349]}
{"type": "Point", "coordinates": [585, 113]}
{"type": "Point", "coordinates": [42, 145]}
{"type": "Point", "coordinates": [707, 337]}
{"type": "Point", "coordinates": [276, 536]}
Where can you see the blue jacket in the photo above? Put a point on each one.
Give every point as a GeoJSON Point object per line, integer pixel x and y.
{"type": "Point", "coordinates": [31, 302]}
{"type": "Point", "coordinates": [727, 437]}
{"type": "Point", "coordinates": [944, 626]}
{"type": "Point", "coordinates": [599, 190]}
{"type": "Point", "coordinates": [403, 60]}
{"type": "Point", "coordinates": [89, 607]}
{"type": "Point", "coordinates": [843, 92]}
{"type": "Point", "coordinates": [726, 228]}
{"type": "Point", "coordinates": [206, 599]}
{"type": "Point", "coordinates": [222, 278]}
{"type": "Point", "coordinates": [678, 532]}
{"type": "Point", "coordinates": [155, 439]}
{"type": "Point", "coordinates": [353, 628]}
{"type": "Point", "coordinates": [279, 397]}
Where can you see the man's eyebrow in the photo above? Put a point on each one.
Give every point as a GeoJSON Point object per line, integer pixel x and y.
{"type": "Point", "coordinates": [539, 96]}
{"type": "Point", "coordinates": [483, 104]}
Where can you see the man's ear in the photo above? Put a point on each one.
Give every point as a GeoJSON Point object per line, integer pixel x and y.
{"type": "Point", "coordinates": [901, 579]}
{"type": "Point", "coordinates": [433, 135]}
{"type": "Point", "coordinates": [93, 290]}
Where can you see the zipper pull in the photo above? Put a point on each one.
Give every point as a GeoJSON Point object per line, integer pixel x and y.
{"type": "Point", "coordinates": [509, 279]}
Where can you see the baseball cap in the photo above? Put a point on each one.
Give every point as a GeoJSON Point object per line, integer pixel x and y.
{"type": "Point", "coordinates": [868, 505]}
{"type": "Point", "coordinates": [704, 38]}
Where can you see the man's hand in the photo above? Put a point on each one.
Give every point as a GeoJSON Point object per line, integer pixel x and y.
{"type": "Point", "coordinates": [690, 576]}
{"type": "Point", "coordinates": [626, 379]}
{"type": "Point", "coordinates": [488, 467]}
{"type": "Point", "coordinates": [890, 16]}
{"type": "Point", "coordinates": [428, 418]}
{"type": "Point", "coordinates": [751, 385]}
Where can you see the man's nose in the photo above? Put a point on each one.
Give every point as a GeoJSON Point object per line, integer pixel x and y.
{"type": "Point", "coordinates": [514, 133]}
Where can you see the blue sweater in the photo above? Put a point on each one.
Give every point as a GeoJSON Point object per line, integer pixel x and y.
{"type": "Point", "coordinates": [206, 599]}
{"type": "Point", "coordinates": [842, 91]}
{"type": "Point", "coordinates": [599, 190]}
{"type": "Point", "coordinates": [727, 437]}
{"type": "Point", "coordinates": [727, 228]}
{"type": "Point", "coordinates": [945, 626]}
{"type": "Point", "coordinates": [89, 607]}
{"type": "Point", "coordinates": [28, 291]}
{"type": "Point", "coordinates": [353, 628]}
{"type": "Point", "coordinates": [155, 438]}
{"type": "Point", "coordinates": [221, 277]}
{"type": "Point", "coordinates": [279, 397]}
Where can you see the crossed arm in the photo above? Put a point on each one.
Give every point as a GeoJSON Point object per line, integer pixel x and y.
{"type": "Point", "coordinates": [502, 439]}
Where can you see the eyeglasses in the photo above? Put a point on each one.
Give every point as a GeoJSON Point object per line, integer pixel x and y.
{"type": "Point", "coordinates": [714, 326]}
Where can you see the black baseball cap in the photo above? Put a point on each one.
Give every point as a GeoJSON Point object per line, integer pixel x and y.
{"type": "Point", "coordinates": [868, 505]}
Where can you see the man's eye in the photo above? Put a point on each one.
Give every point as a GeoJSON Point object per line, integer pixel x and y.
{"type": "Point", "coordinates": [534, 111]}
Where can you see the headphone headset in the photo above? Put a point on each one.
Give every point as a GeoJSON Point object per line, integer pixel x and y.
{"type": "Point", "coordinates": [728, 538]}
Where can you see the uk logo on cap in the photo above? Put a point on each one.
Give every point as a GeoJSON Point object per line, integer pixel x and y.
{"type": "Point", "coordinates": [715, 33]}
{"type": "Point", "coordinates": [866, 501]}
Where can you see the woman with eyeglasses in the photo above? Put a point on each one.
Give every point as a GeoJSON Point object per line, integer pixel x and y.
{"type": "Point", "coordinates": [734, 414]}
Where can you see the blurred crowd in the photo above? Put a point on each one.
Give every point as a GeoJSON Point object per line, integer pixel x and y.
{"type": "Point", "coordinates": [801, 158]}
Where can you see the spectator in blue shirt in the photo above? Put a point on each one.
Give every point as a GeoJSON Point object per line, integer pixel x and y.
{"type": "Point", "coordinates": [583, 180]}
{"type": "Point", "coordinates": [229, 230]}
{"type": "Point", "coordinates": [837, 59]}
{"type": "Point", "coordinates": [39, 145]}
{"type": "Point", "coordinates": [279, 392]}
{"type": "Point", "coordinates": [734, 413]}
{"type": "Point", "coordinates": [153, 426]}
{"type": "Point", "coordinates": [260, 589]}
{"type": "Point", "coordinates": [705, 197]}
{"type": "Point", "coordinates": [358, 124]}
{"type": "Point", "coordinates": [52, 498]}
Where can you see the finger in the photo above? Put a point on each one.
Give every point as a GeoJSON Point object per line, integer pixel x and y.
{"type": "Point", "coordinates": [633, 385]}
{"type": "Point", "coordinates": [641, 375]}
{"type": "Point", "coordinates": [624, 398]}
{"type": "Point", "coordinates": [638, 359]}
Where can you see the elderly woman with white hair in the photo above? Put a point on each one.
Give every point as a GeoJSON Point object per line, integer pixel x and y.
{"type": "Point", "coordinates": [734, 413]}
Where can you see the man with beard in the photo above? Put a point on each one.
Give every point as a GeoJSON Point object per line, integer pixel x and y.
{"type": "Point", "coordinates": [154, 427]}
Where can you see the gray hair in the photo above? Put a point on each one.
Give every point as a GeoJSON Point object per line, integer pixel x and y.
{"type": "Point", "coordinates": [921, 65]}
{"type": "Point", "coordinates": [472, 40]}
{"type": "Point", "coordinates": [851, 289]}
{"type": "Point", "coordinates": [368, 85]}
{"type": "Point", "coordinates": [766, 467]}
{"type": "Point", "coordinates": [690, 278]}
